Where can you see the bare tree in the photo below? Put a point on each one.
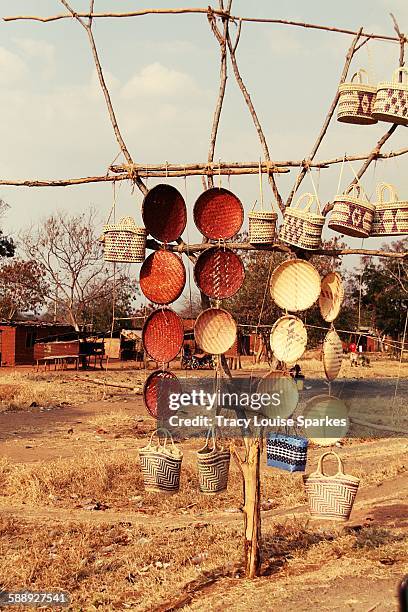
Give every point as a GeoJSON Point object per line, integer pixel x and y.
{"type": "Point", "coordinates": [23, 288]}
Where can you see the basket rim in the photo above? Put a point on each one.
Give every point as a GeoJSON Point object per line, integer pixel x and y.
{"type": "Point", "coordinates": [392, 85]}
{"type": "Point", "coordinates": [263, 215]}
{"type": "Point", "coordinates": [352, 200]}
{"type": "Point", "coordinates": [350, 87]}
{"type": "Point", "coordinates": [305, 216]}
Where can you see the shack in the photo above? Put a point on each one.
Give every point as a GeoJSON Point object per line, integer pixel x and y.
{"type": "Point", "coordinates": [17, 339]}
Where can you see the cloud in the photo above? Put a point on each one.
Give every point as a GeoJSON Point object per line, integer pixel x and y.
{"type": "Point", "coordinates": [39, 50]}
{"type": "Point", "coordinates": [284, 42]}
{"type": "Point", "coordinates": [158, 80]}
{"type": "Point", "coordinates": [12, 68]}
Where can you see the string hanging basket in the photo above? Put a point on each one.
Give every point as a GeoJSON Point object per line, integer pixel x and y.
{"type": "Point", "coordinates": [162, 277]}
{"type": "Point", "coordinates": [161, 464]}
{"type": "Point", "coordinates": [391, 215]}
{"type": "Point", "coordinates": [213, 467]}
{"type": "Point", "coordinates": [124, 242]}
{"type": "Point", "coordinates": [215, 331]}
{"type": "Point", "coordinates": [356, 100]}
{"type": "Point", "coordinates": [295, 285]}
{"type": "Point", "coordinates": [331, 296]}
{"type": "Point", "coordinates": [391, 103]}
{"type": "Point", "coordinates": [164, 213]}
{"type": "Point", "coordinates": [218, 214]}
{"type": "Point", "coordinates": [322, 409]}
{"type": "Point", "coordinates": [262, 226]}
{"type": "Point", "coordinates": [219, 273]}
{"type": "Point", "coordinates": [279, 382]}
{"type": "Point", "coordinates": [301, 227]}
{"type": "Point", "coordinates": [332, 354]}
{"type": "Point", "coordinates": [163, 335]}
{"type": "Point", "coordinates": [155, 395]}
{"type": "Point", "coordinates": [288, 339]}
{"type": "Point", "coordinates": [286, 452]}
{"type": "Point", "coordinates": [352, 214]}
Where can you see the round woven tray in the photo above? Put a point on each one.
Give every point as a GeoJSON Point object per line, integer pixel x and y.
{"type": "Point", "coordinates": [288, 339]}
{"type": "Point", "coordinates": [295, 285]}
{"type": "Point", "coordinates": [218, 214]}
{"type": "Point", "coordinates": [283, 384]}
{"type": "Point", "coordinates": [318, 408]}
{"type": "Point", "coordinates": [219, 273]}
{"type": "Point", "coordinates": [162, 277]}
{"type": "Point", "coordinates": [164, 213]}
{"type": "Point", "coordinates": [151, 392]}
{"type": "Point", "coordinates": [331, 296]}
{"type": "Point", "coordinates": [332, 354]}
{"type": "Point", "coordinates": [163, 335]}
{"type": "Point", "coordinates": [215, 331]}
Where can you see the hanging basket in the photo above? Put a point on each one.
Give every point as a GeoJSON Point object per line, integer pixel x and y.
{"type": "Point", "coordinates": [161, 464]}
{"type": "Point", "coordinates": [295, 285]}
{"type": "Point", "coordinates": [283, 384]}
{"type": "Point", "coordinates": [356, 100]}
{"type": "Point", "coordinates": [301, 227]}
{"type": "Point", "coordinates": [213, 467]}
{"type": "Point", "coordinates": [162, 277]}
{"type": "Point", "coordinates": [352, 215]}
{"type": "Point", "coordinates": [391, 102]}
{"type": "Point", "coordinates": [286, 452]}
{"type": "Point", "coordinates": [262, 226]}
{"type": "Point", "coordinates": [219, 273]}
{"type": "Point", "coordinates": [218, 214]}
{"type": "Point", "coordinates": [155, 399]}
{"type": "Point", "coordinates": [124, 242]}
{"type": "Point", "coordinates": [215, 331]}
{"type": "Point", "coordinates": [390, 216]}
{"type": "Point", "coordinates": [331, 296]}
{"type": "Point", "coordinates": [326, 408]}
{"type": "Point", "coordinates": [288, 339]}
{"type": "Point", "coordinates": [164, 213]}
{"type": "Point", "coordinates": [163, 335]}
{"type": "Point", "coordinates": [332, 355]}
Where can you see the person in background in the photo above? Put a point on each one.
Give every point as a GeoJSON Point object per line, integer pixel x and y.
{"type": "Point", "coordinates": [353, 353]}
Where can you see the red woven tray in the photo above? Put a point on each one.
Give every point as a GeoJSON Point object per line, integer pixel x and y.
{"type": "Point", "coordinates": [219, 273]}
{"type": "Point", "coordinates": [163, 335]}
{"type": "Point", "coordinates": [164, 213]}
{"type": "Point", "coordinates": [162, 277]}
{"type": "Point", "coordinates": [151, 392]}
{"type": "Point", "coordinates": [218, 214]}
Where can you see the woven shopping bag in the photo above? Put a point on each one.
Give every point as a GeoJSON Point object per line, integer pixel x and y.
{"type": "Point", "coordinates": [391, 103]}
{"type": "Point", "coordinates": [352, 213]}
{"type": "Point", "coordinates": [331, 497]}
{"type": "Point", "coordinates": [302, 227]}
{"type": "Point", "coordinates": [286, 452]}
{"type": "Point", "coordinates": [391, 215]}
{"type": "Point", "coordinates": [124, 242]}
{"type": "Point", "coordinates": [213, 466]}
{"type": "Point", "coordinates": [161, 464]}
{"type": "Point", "coordinates": [356, 100]}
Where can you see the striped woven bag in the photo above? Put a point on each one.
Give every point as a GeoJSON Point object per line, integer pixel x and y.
{"type": "Point", "coordinates": [286, 452]}
{"type": "Point", "coordinates": [302, 227]}
{"type": "Point", "coordinates": [390, 216]}
{"type": "Point", "coordinates": [161, 464]}
{"type": "Point", "coordinates": [213, 466]}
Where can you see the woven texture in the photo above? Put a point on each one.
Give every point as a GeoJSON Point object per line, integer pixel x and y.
{"type": "Point", "coordinates": [124, 242]}
{"type": "Point", "coordinates": [352, 215]}
{"type": "Point", "coordinates": [356, 101]}
{"type": "Point", "coordinates": [391, 102]}
{"type": "Point", "coordinates": [162, 277]}
{"type": "Point", "coordinates": [156, 401]}
{"type": "Point", "coordinates": [331, 296]}
{"type": "Point", "coordinates": [163, 335]}
{"type": "Point", "coordinates": [215, 331]}
{"type": "Point", "coordinates": [277, 381]}
{"type": "Point", "coordinates": [391, 215]}
{"type": "Point", "coordinates": [213, 467]}
{"type": "Point", "coordinates": [262, 226]}
{"type": "Point", "coordinates": [331, 497]}
{"type": "Point", "coordinates": [218, 214]}
{"type": "Point", "coordinates": [286, 452]}
{"type": "Point", "coordinates": [161, 465]}
{"type": "Point", "coordinates": [219, 273]}
{"type": "Point", "coordinates": [301, 227]}
{"type": "Point", "coordinates": [288, 339]}
{"type": "Point", "coordinates": [321, 407]}
{"type": "Point", "coordinates": [332, 354]}
{"type": "Point", "coordinates": [295, 285]}
{"type": "Point", "coordinates": [164, 213]}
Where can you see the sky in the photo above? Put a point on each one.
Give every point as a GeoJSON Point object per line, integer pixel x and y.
{"type": "Point", "coordinates": [163, 75]}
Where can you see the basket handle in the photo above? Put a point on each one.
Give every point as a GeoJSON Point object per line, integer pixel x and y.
{"type": "Point", "coordinates": [355, 189]}
{"type": "Point", "coordinates": [167, 435]}
{"type": "Point", "coordinates": [312, 199]}
{"type": "Point", "coordinates": [211, 433]}
{"type": "Point", "coordinates": [320, 469]}
{"type": "Point", "coordinates": [359, 74]}
{"type": "Point", "coordinates": [400, 71]}
{"type": "Point", "coordinates": [386, 187]}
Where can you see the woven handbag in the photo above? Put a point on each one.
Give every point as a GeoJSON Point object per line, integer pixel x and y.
{"type": "Point", "coordinates": [286, 452]}
{"type": "Point", "coordinates": [301, 227]}
{"type": "Point", "coordinates": [352, 215]}
{"type": "Point", "coordinates": [161, 464]}
{"type": "Point", "coordinates": [124, 242]}
{"type": "Point", "coordinates": [390, 216]}
{"type": "Point", "coordinates": [213, 466]}
{"type": "Point", "coordinates": [391, 102]}
{"type": "Point", "coordinates": [331, 497]}
{"type": "Point", "coordinates": [356, 100]}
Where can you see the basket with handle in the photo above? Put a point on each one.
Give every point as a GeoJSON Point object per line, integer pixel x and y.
{"type": "Point", "coordinates": [352, 214]}
{"type": "Point", "coordinates": [161, 464]}
{"type": "Point", "coordinates": [286, 452]}
{"type": "Point", "coordinates": [391, 215]}
{"type": "Point", "coordinates": [302, 227]}
{"type": "Point", "coordinates": [391, 103]}
{"type": "Point", "coordinates": [124, 242]}
{"type": "Point", "coordinates": [213, 466]}
{"type": "Point", "coordinates": [356, 100]}
{"type": "Point", "coordinates": [331, 497]}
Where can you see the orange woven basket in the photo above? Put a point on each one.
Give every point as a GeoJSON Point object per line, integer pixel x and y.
{"type": "Point", "coordinates": [218, 214]}
{"type": "Point", "coordinates": [219, 273]}
{"type": "Point", "coordinates": [162, 277]}
{"type": "Point", "coordinates": [164, 213]}
{"type": "Point", "coordinates": [151, 392]}
{"type": "Point", "coordinates": [215, 331]}
{"type": "Point", "coordinates": [163, 335]}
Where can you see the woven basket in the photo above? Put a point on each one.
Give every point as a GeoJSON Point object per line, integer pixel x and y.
{"type": "Point", "coordinates": [218, 214]}
{"type": "Point", "coordinates": [124, 242]}
{"type": "Point", "coordinates": [215, 331]}
{"type": "Point", "coordinates": [262, 226]}
{"type": "Point", "coordinates": [286, 452]}
{"type": "Point", "coordinates": [331, 497]}
{"type": "Point", "coordinates": [219, 273]}
{"type": "Point", "coordinates": [320, 407]}
{"type": "Point", "coordinates": [155, 399]}
{"type": "Point", "coordinates": [161, 464]}
{"type": "Point", "coordinates": [391, 103]}
{"type": "Point", "coordinates": [213, 467]}
{"type": "Point", "coordinates": [352, 215]}
{"type": "Point", "coordinates": [279, 382]}
{"type": "Point", "coordinates": [295, 285]}
{"type": "Point", "coordinates": [390, 216]}
{"type": "Point", "coordinates": [288, 339]}
{"type": "Point", "coordinates": [163, 335]}
{"type": "Point", "coordinates": [301, 227]}
{"type": "Point", "coordinates": [332, 354]}
{"type": "Point", "coordinates": [162, 277]}
{"type": "Point", "coordinates": [356, 100]}
{"type": "Point", "coordinates": [331, 296]}
{"type": "Point", "coordinates": [164, 213]}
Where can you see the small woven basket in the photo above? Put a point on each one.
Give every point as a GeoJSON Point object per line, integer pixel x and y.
{"type": "Point", "coordinates": [124, 242]}
{"type": "Point", "coordinates": [301, 227]}
{"type": "Point", "coordinates": [332, 354]}
{"type": "Point", "coordinates": [295, 285]}
{"type": "Point", "coordinates": [390, 216]}
{"type": "Point", "coordinates": [286, 452]}
{"type": "Point", "coordinates": [155, 396]}
{"type": "Point", "coordinates": [213, 467]}
{"type": "Point", "coordinates": [218, 214]}
{"type": "Point", "coordinates": [356, 100]}
{"type": "Point", "coordinates": [352, 215]}
{"type": "Point", "coordinates": [219, 273]}
{"type": "Point", "coordinates": [163, 335]}
{"type": "Point", "coordinates": [391, 102]}
{"type": "Point", "coordinates": [331, 296]}
{"type": "Point", "coordinates": [215, 331]}
{"type": "Point", "coordinates": [262, 226]}
{"type": "Point", "coordinates": [162, 277]}
{"type": "Point", "coordinates": [161, 464]}
{"type": "Point", "coordinates": [164, 213]}
{"type": "Point", "coordinates": [288, 339]}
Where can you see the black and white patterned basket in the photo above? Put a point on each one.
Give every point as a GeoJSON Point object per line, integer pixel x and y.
{"type": "Point", "coordinates": [161, 464]}
{"type": "Point", "coordinates": [286, 452]}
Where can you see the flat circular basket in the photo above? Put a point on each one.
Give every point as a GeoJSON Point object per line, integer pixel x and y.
{"type": "Point", "coordinates": [215, 331]}
{"type": "Point", "coordinates": [164, 213]}
{"type": "Point", "coordinates": [163, 335]}
{"type": "Point", "coordinates": [320, 431]}
{"type": "Point", "coordinates": [295, 285]}
{"type": "Point", "coordinates": [288, 339]}
{"type": "Point", "coordinates": [156, 397]}
{"type": "Point", "coordinates": [332, 354]}
{"type": "Point", "coordinates": [219, 273]}
{"type": "Point", "coordinates": [278, 382]}
{"type": "Point", "coordinates": [331, 296]}
{"type": "Point", "coordinates": [218, 214]}
{"type": "Point", "coordinates": [162, 277]}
